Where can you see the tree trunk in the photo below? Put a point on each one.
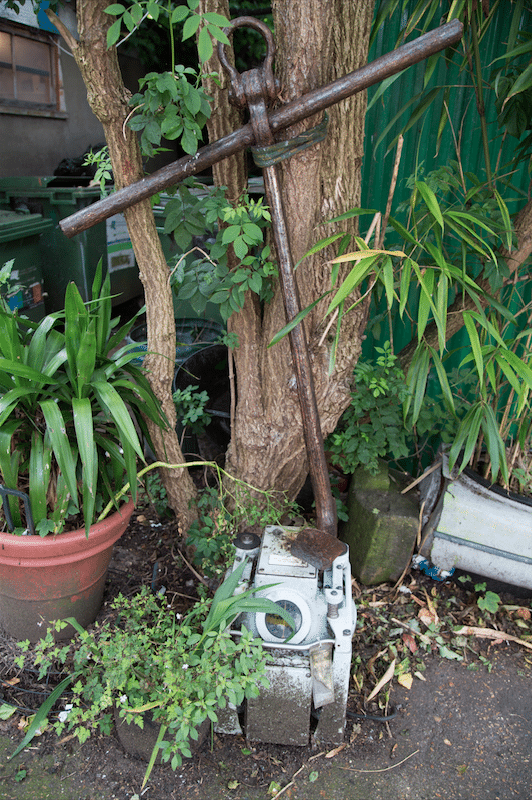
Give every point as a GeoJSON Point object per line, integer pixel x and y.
{"type": "Point", "coordinates": [267, 447]}
{"type": "Point", "coordinates": [108, 99]}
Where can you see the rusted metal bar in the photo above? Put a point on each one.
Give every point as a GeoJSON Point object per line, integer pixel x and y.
{"type": "Point", "coordinates": [283, 117]}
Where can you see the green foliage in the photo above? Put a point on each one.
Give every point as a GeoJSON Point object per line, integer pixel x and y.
{"type": "Point", "coordinates": [156, 493]}
{"type": "Point", "coordinates": [487, 600]}
{"type": "Point", "coordinates": [7, 287]}
{"type": "Point", "coordinates": [374, 427]}
{"type": "Point", "coordinates": [490, 602]}
{"type": "Point", "coordinates": [170, 107]}
{"type": "Point", "coordinates": [190, 407]}
{"type": "Point", "coordinates": [194, 211]}
{"type": "Point", "coordinates": [505, 87]}
{"type": "Point", "coordinates": [69, 402]}
{"type": "Point", "coordinates": [209, 24]}
{"type": "Point", "coordinates": [211, 536]}
{"type": "Point", "coordinates": [208, 278]}
{"type": "Point", "coordinates": [432, 260]}
{"type": "Point", "coordinates": [182, 670]}
{"type": "Point", "coordinates": [104, 170]}
{"type": "Point", "coordinates": [172, 104]}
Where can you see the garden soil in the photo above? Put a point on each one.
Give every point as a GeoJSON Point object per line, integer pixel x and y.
{"type": "Point", "coordinates": [462, 731]}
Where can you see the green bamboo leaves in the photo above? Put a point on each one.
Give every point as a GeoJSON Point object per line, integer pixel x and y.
{"type": "Point", "coordinates": [226, 605]}
{"type": "Point", "coordinates": [436, 257]}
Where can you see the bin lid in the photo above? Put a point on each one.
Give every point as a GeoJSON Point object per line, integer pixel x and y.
{"type": "Point", "coordinates": [14, 225]}
{"type": "Point", "coordinates": [55, 190]}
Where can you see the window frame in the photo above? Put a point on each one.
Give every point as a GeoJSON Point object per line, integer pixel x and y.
{"type": "Point", "coordinates": [56, 108]}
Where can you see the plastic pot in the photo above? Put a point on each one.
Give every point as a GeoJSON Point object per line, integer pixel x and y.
{"type": "Point", "coordinates": [478, 528]}
{"type": "Point", "coordinates": [139, 742]}
{"type": "Point", "coordinates": [207, 370]}
{"type": "Point", "coordinates": [54, 577]}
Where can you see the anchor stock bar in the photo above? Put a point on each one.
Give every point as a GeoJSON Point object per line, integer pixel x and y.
{"type": "Point", "coordinates": [295, 111]}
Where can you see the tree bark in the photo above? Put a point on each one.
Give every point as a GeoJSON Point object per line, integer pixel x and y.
{"type": "Point", "coordinates": [267, 446]}
{"type": "Point", "coordinates": [108, 99]}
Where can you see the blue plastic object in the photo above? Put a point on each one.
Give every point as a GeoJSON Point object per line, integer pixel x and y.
{"type": "Point", "coordinates": [437, 574]}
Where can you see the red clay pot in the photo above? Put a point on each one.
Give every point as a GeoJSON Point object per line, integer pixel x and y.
{"type": "Point", "coordinates": [53, 577]}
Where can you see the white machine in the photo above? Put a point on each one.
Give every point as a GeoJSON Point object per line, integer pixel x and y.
{"type": "Point", "coordinates": [309, 674]}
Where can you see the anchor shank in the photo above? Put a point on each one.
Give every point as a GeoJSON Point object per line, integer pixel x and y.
{"type": "Point", "coordinates": [319, 474]}
{"type": "Point", "coordinates": [254, 89]}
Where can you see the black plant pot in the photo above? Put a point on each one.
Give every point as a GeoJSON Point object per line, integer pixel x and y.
{"type": "Point", "coordinates": [207, 370]}
{"type": "Point", "coordinates": [139, 742]}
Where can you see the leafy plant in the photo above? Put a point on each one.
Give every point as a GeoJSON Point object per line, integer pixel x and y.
{"type": "Point", "coordinates": [193, 211]}
{"type": "Point", "coordinates": [156, 493]}
{"type": "Point", "coordinates": [150, 659]}
{"type": "Point", "coordinates": [487, 600]}
{"type": "Point", "coordinates": [372, 427]}
{"type": "Point", "coordinates": [442, 245]}
{"type": "Point", "coordinates": [104, 170]}
{"type": "Point", "coordinates": [70, 398]}
{"type": "Point", "coordinates": [456, 215]}
{"type": "Point", "coordinates": [221, 515]}
{"type": "Point", "coordinates": [187, 15]}
{"type": "Point", "coordinates": [169, 106]}
{"type": "Point", "coordinates": [190, 406]}
{"type": "Point", "coordinates": [208, 278]}
{"type": "Point", "coordinates": [7, 287]}
{"type": "Point", "coordinates": [172, 104]}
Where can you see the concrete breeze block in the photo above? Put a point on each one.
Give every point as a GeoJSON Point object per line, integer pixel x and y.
{"type": "Point", "coordinates": [381, 529]}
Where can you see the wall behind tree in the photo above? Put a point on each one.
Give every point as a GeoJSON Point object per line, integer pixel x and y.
{"type": "Point", "coordinates": [32, 143]}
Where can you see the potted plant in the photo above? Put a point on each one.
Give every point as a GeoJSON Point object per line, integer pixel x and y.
{"type": "Point", "coordinates": [71, 402]}
{"type": "Point", "coordinates": [478, 500]}
{"type": "Point", "coordinates": [149, 667]}
{"type": "Point", "coordinates": [484, 379]}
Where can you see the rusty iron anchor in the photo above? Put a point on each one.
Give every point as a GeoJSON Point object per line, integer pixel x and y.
{"type": "Point", "coordinates": [255, 89]}
{"type": "Point", "coordinates": [294, 111]}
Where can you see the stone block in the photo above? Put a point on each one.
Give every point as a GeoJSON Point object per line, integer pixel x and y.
{"type": "Point", "coordinates": [381, 529]}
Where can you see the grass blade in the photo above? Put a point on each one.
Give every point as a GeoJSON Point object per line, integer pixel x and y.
{"type": "Point", "coordinates": [42, 713]}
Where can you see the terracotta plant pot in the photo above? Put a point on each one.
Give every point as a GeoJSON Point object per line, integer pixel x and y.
{"type": "Point", "coordinates": [54, 577]}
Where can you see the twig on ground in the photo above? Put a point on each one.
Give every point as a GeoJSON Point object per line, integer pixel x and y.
{"type": "Point", "coordinates": [385, 769]}
{"type": "Point", "coordinates": [294, 776]}
{"type": "Point", "coordinates": [491, 633]}
{"type": "Point", "coordinates": [191, 568]}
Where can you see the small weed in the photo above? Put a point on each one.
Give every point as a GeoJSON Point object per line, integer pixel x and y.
{"type": "Point", "coordinates": [156, 493]}
{"type": "Point", "coordinates": [191, 408]}
{"type": "Point", "coordinates": [487, 663]}
{"type": "Point", "coordinates": [211, 537]}
{"type": "Point", "coordinates": [489, 601]}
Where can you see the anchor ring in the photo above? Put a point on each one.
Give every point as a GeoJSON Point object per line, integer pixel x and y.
{"type": "Point", "coordinates": [266, 70]}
